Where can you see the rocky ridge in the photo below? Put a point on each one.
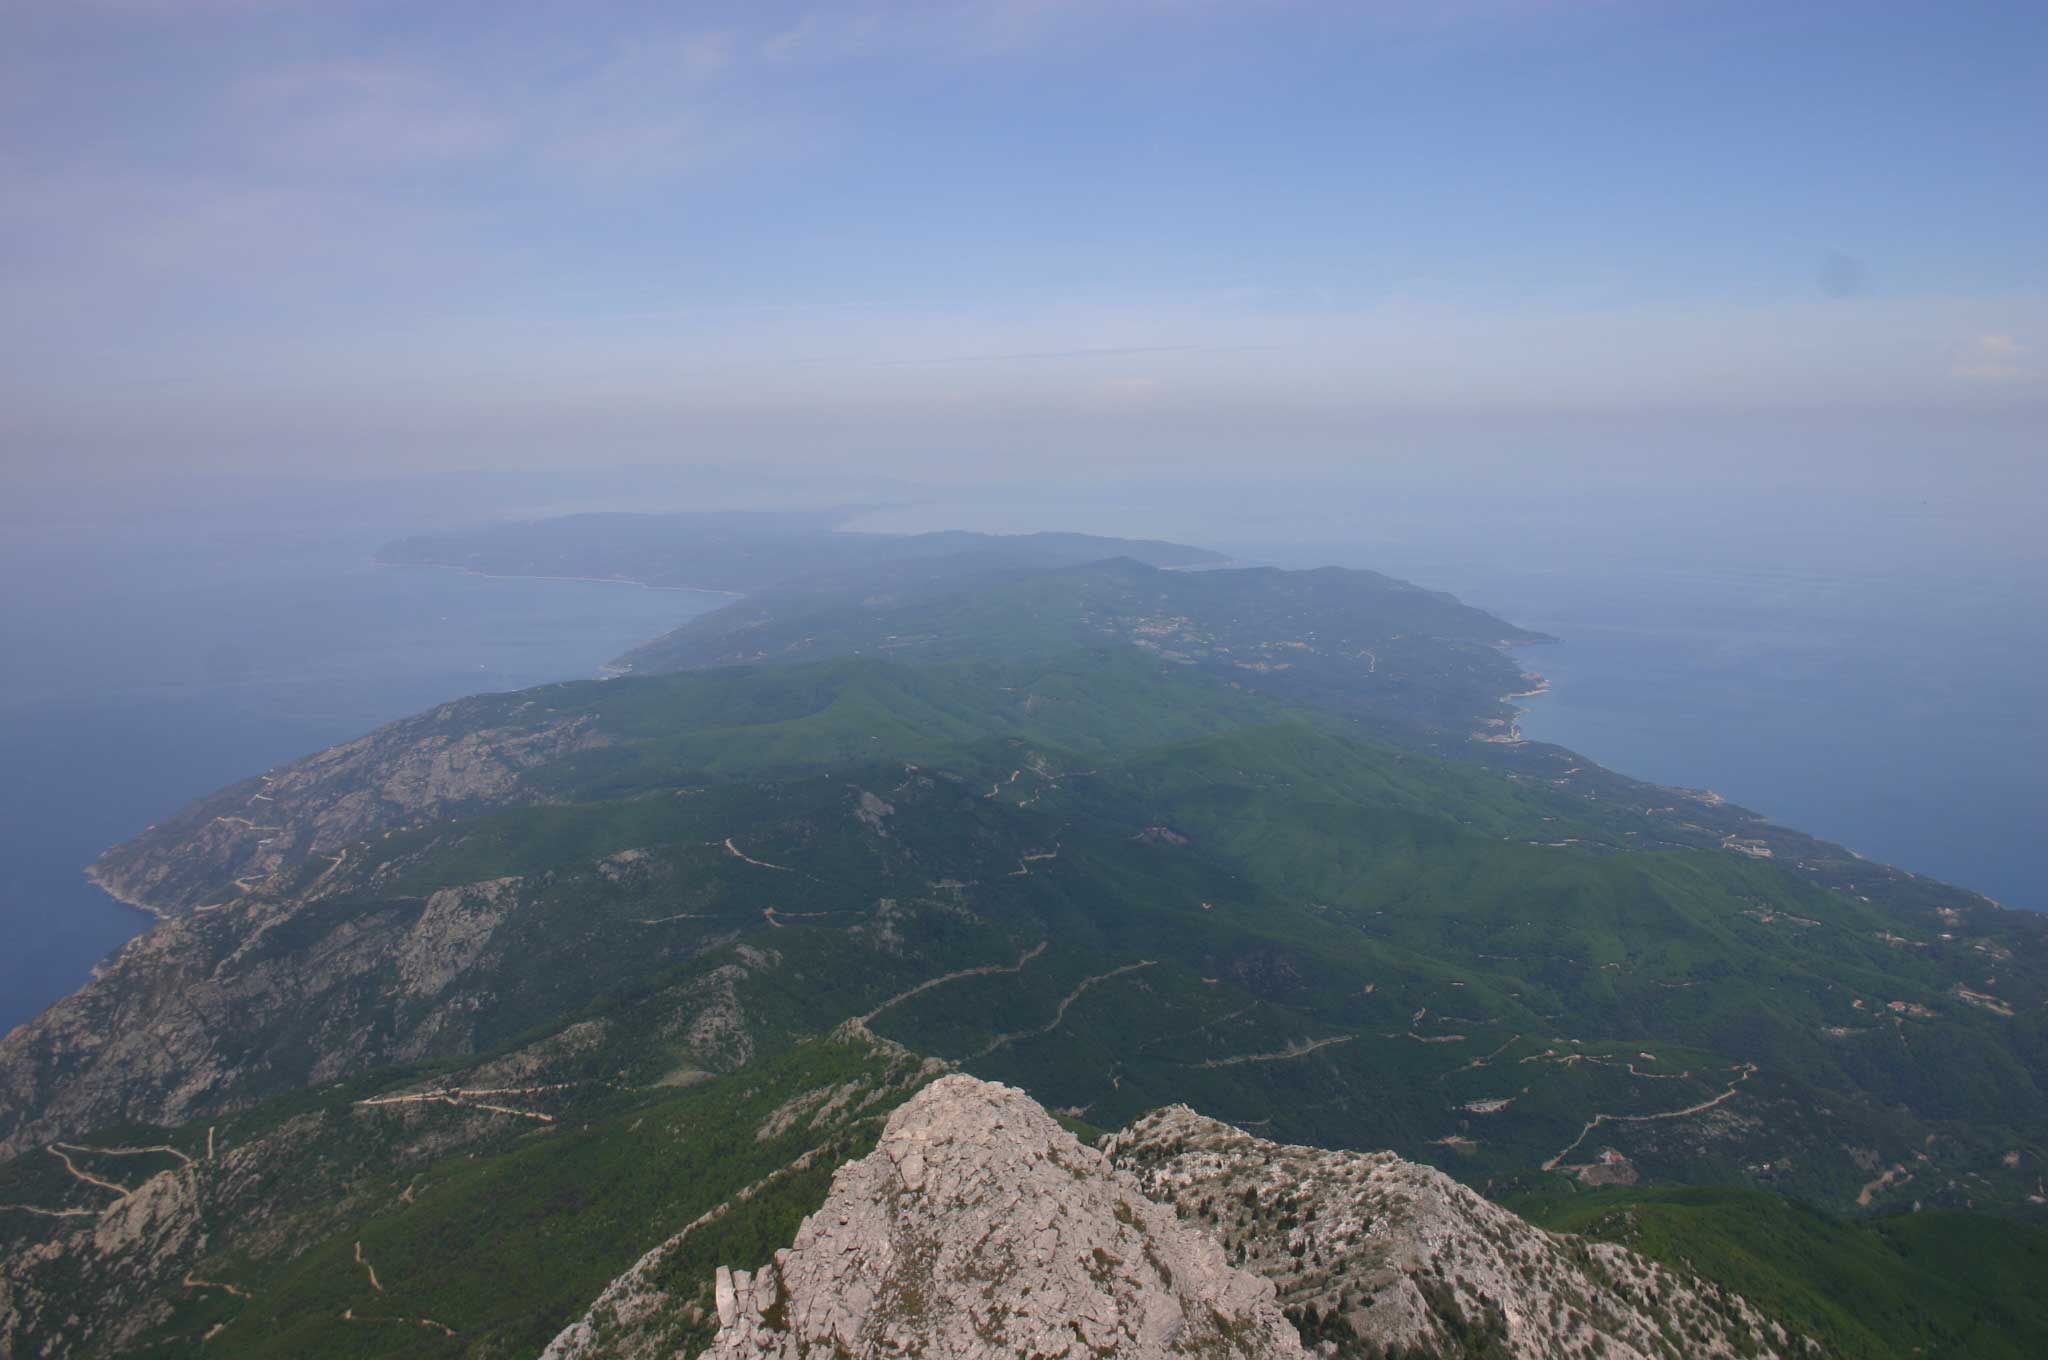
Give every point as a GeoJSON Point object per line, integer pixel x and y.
{"type": "Point", "coordinates": [979, 1227]}
{"type": "Point", "coordinates": [249, 835]}
{"type": "Point", "coordinates": [1370, 1253]}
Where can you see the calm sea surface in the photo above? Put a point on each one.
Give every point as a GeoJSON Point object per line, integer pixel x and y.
{"type": "Point", "coordinates": [1891, 708]}
{"type": "Point", "coordinates": [135, 679]}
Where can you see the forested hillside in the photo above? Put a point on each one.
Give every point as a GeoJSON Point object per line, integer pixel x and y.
{"type": "Point", "coordinates": [515, 989]}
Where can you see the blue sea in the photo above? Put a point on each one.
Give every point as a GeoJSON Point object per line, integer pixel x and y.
{"type": "Point", "coordinates": [1874, 699]}
{"type": "Point", "coordinates": [138, 675]}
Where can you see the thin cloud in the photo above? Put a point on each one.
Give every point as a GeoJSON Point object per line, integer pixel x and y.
{"type": "Point", "coordinates": [1992, 358]}
{"type": "Point", "coordinates": [1098, 353]}
{"type": "Point", "coordinates": [364, 114]}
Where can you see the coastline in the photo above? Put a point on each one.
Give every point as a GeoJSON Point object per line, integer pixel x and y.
{"type": "Point", "coordinates": [587, 580]}
{"type": "Point", "coordinates": [1758, 836]}
{"type": "Point", "coordinates": [156, 917]}
{"type": "Point", "coordinates": [82, 906]}
{"type": "Point", "coordinates": [92, 871]}
{"type": "Point", "coordinates": [1538, 683]}
{"type": "Point", "coordinates": [98, 880]}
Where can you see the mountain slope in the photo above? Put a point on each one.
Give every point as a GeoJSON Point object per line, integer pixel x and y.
{"type": "Point", "coordinates": [1193, 895]}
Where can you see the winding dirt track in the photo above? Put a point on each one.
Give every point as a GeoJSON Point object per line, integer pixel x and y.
{"type": "Point", "coordinates": [130, 1151]}
{"type": "Point", "coordinates": [1286, 1054]}
{"type": "Point", "coordinates": [245, 823]}
{"type": "Point", "coordinates": [776, 917]}
{"type": "Point", "coordinates": [1060, 1014]}
{"type": "Point", "coordinates": [57, 1150]}
{"type": "Point", "coordinates": [1748, 1069]}
{"type": "Point", "coordinates": [372, 1270]}
{"type": "Point", "coordinates": [1551, 1055]}
{"type": "Point", "coordinates": [738, 853]}
{"type": "Point", "coordinates": [194, 1282]}
{"type": "Point", "coordinates": [62, 1151]}
{"type": "Point", "coordinates": [1024, 863]}
{"type": "Point", "coordinates": [41, 1212]}
{"type": "Point", "coordinates": [435, 1098]}
{"type": "Point", "coordinates": [349, 1315]}
{"type": "Point", "coordinates": [1487, 1061]}
{"type": "Point", "coordinates": [328, 872]}
{"type": "Point", "coordinates": [944, 978]}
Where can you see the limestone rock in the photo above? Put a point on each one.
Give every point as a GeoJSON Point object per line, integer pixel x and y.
{"type": "Point", "coordinates": [980, 1227]}
{"type": "Point", "coordinates": [1369, 1252]}
{"type": "Point", "coordinates": [465, 755]}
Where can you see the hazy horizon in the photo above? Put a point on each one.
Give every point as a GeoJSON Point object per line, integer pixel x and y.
{"type": "Point", "coordinates": [1792, 249]}
{"type": "Point", "coordinates": [1738, 306]}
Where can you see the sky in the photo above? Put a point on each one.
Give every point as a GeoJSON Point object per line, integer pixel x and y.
{"type": "Point", "coordinates": [1654, 242]}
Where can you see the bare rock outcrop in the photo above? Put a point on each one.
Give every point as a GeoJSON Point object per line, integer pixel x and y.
{"type": "Point", "coordinates": [980, 1227]}
{"type": "Point", "coordinates": [196, 1015]}
{"type": "Point", "coordinates": [464, 756]}
{"type": "Point", "coordinates": [1370, 1252]}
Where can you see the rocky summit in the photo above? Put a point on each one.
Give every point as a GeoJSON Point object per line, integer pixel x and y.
{"type": "Point", "coordinates": [980, 1227]}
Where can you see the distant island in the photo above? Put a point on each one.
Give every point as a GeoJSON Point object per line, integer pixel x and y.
{"type": "Point", "coordinates": [739, 551]}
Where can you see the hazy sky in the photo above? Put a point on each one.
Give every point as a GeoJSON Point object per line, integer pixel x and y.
{"type": "Point", "coordinates": [978, 238]}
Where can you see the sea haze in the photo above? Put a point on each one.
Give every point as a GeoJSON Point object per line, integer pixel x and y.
{"type": "Point", "coordinates": [1872, 700]}
{"type": "Point", "coordinates": [136, 677]}
{"type": "Point", "coordinates": [1900, 717]}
